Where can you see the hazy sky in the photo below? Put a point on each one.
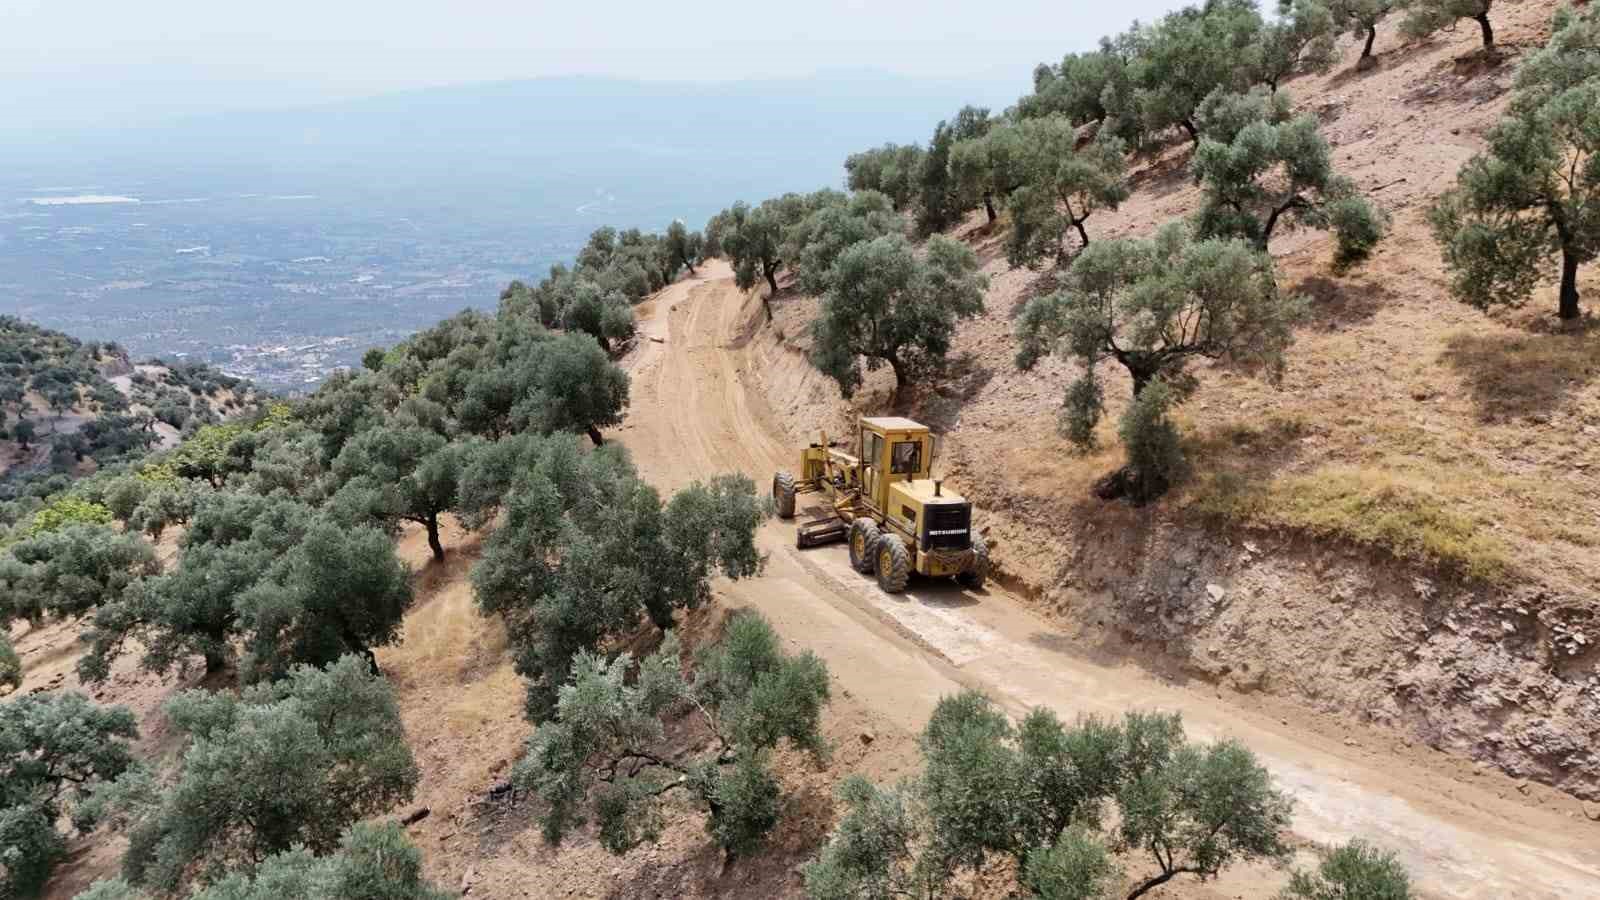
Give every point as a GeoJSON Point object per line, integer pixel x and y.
{"type": "Point", "coordinates": [68, 63]}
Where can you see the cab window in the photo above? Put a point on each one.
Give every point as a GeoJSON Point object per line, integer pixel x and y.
{"type": "Point", "coordinates": [871, 446]}
{"type": "Point", "coordinates": [906, 458]}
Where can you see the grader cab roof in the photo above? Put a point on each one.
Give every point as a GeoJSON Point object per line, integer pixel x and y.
{"type": "Point", "coordinates": [892, 423]}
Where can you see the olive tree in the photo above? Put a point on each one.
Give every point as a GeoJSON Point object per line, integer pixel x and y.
{"type": "Point", "coordinates": [375, 861]}
{"type": "Point", "coordinates": [1263, 172]}
{"type": "Point", "coordinates": [278, 766]}
{"type": "Point", "coordinates": [1153, 306]}
{"type": "Point", "coordinates": [233, 541]}
{"type": "Point", "coordinates": [1041, 794]}
{"type": "Point", "coordinates": [340, 590]}
{"type": "Point", "coordinates": [1356, 869]}
{"type": "Point", "coordinates": [1189, 54]}
{"type": "Point", "coordinates": [987, 169]}
{"type": "Point", "coordinates": [1534, 193]}
{"type": "Point", "coordinates": [891, 306]}
{"type": "Point", "coordinates": [751, 239]}
{"type": "Point", "coordinates": [1359, 19]}
{"type": "Point", "coordinates": [1427, 17]}
{"type": "Point", "coordinates": [602, 753]}
{"type": "Point", "coordinates": [1201, 810]}
{"type": "Point", "coordinates": [1079, 87]}
{"type": "Point", "coordinates": [684, 245]}
{"type": "Point", "coordinates": [55, 750]}
{"type": "Point", "coordinates": [1061, 185]}
{"type": "Point", "coordinates": [941, 202]}
{"type": "Point", "coordinates": [1301, 39]}
{"type": "Point", "coordinates": [587, 551]}
{"type": "Point", "coordinates": [815, 242]}
{"type": "Point", "coordinates": [891, 170]}
{"type": "Point", "coordinates": [70, 571]}
{"type": "Point", "coordinates": [575, 388]}
{"type": "Point", "coordinates": [400, 472]}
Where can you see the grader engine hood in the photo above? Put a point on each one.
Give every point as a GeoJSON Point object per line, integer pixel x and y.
{"type": "Point", "coordinates": [940, 518]}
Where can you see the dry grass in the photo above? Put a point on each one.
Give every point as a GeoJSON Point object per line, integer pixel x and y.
{"type": "Point", "coordinates": [1403, 515]}
{"type": "Point", "coordinates": [1526, 376]}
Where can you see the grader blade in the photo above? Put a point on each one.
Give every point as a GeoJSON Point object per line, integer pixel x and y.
{"type": "Point", "coordinates": [821, 530]}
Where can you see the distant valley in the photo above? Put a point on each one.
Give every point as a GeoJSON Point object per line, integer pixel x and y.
{"type": "Point", "coordinates": [280, 245]}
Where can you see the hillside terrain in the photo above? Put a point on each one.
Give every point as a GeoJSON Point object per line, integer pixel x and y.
{"type": "Point", "coordinates": [65, 402]}
{"type": "Point", "coordinates": [1381, 577]}
{"type": "Point", "coordinates": [1319, 549]}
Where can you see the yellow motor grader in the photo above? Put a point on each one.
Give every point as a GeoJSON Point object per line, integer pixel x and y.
{"type": "Point", "coordinates": [882, 499]}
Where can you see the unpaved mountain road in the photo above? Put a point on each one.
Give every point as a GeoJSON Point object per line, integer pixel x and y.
{"type": "Point", "coordinates": [692, 417]}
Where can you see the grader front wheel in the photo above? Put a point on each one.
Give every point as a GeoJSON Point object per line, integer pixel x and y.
{"type": "Point", "coordinates": [894, 564]}
{"type": "Point", "coordinates": [863, 544]}
{"type": "Point", "coordinates": [783, 494]}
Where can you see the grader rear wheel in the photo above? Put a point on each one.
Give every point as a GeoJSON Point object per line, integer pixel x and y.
{"type": "Point", "coordinates": [783, 494]}
{"type": "Point", "coordinates": [894, 564]}
{"type": "Point", "coordinates": [863, 542]}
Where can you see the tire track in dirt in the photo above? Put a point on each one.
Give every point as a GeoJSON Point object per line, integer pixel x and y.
{"type": "Point", "coordinates": [692, 417]}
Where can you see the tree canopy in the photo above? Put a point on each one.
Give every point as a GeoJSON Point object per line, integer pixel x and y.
{"type": "Point", "coordinates": [814, 243]}
{"type": "Point", "coordinates": [1534, 193]}
{"type": "Point", "coordinates": [1352, 870]}
{"type": "Point", "coordinates": [1039, 793]}
{"type": "Point", "coordinates": [1153, 306]}
{"type": "Point", "coordinates": [587, 550]}
{"type": "Point", "coordinates": [1261, 170]}
{"type": "Point", "coordinates": [602, 748]}
{"type": "Point", "coordinates": [1060, 184]}
{"type": "Point", "coordinates": [280, 766]}
{"type": "Point", "coordinates": [890, 305]}
{"type": "Point", "coordinates": [891, 170]}
{"type": "Point", "coordinates": [1189, 54]}
{"type": "Point", "coordinates": [55, 750]}
{"type": "Point", "coordinates": [1427, 17]}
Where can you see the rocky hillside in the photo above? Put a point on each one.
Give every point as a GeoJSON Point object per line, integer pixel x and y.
{"type": "Point", "coordinates": [65, 403]}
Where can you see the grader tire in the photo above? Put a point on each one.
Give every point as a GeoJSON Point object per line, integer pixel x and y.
{"type": "Point", "coordinates": [974, 577]}
{"type": "Point", "coordinates": [783, 494]}
{"type": "Point", "coordinates": [894, 564]}
{"type": "Point", "coordinates": [863, 543]}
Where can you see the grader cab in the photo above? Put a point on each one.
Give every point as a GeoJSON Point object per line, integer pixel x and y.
{"type": "Point", "coordinates": [883, 500]}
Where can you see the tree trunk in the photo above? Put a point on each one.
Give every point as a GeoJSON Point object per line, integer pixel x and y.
{"type": "Point", "coordinates": [371, 658]}
{"type": "Point", "coordinates": [772, 280]}
{"type": "Point", "coordinates": [1488, 32]}
{"type": "Point", "coordinates": [1142, 377]}
{"type": "Point", "coordinates": [899, 373]}
{"type": "Point", "coordinates": [215, 662]}
{"type": "Point", "coordinates": [1272, 221]}
{"type": "Point", "coordinates": [433, 538]}
{"type": "Point", "coordinates": [594, 435]}
{"type": "Point", "coordinates": [1372, 35]}
{"type": "Point", "coordinates": [1082, 234]}
{"type": "Point", "coordinates": [1155, 882]}
{"type": "Point", "coordinates": [688, 265]}
{"type": "Point", "coordinates": [1194, 133]}
{"type": "Point", "coordinates": [1569, 285]}
{"type": "Point", "coordinates": [988, 206]}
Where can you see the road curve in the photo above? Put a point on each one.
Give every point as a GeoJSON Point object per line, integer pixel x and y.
{"type": "Point", "coordinates": [692, 417]}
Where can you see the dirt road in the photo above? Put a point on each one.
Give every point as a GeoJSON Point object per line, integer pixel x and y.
{"type": "Point", "coordinates": [692, 417]}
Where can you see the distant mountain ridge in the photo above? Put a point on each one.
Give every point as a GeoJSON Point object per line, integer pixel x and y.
{"type": "Point", "coordinates": [789, 132]}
